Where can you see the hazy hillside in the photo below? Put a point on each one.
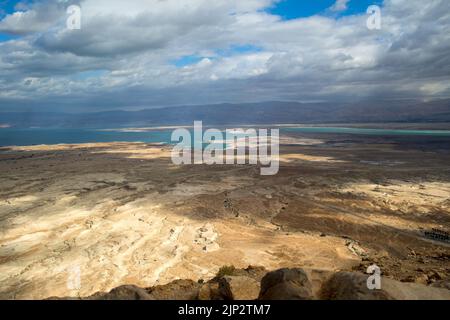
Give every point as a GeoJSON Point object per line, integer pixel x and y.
{"type": "Point", "coordinates": [257, 113]}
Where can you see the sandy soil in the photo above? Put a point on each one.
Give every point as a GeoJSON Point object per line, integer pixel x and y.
{"type": "Point", "coordinates": [122, 213]}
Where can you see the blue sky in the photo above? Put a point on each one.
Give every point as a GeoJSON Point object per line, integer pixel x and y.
{"type": "Point", "coordinates": [292, 9]}
{"type": "Point", "coordinates": [6, 7]}
{"type": "Point", "coordinates": [6, 37]}
{"type": "Point", "coordinates": [9, 6]}
{"type": "Point", "coordinates": [237, 49]}
{"type": "Point", "coordinates": [287, 9]}
{"type": "Point", "coordinates": [286, 51]}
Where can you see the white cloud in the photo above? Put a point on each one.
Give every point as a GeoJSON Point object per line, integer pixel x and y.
{"type": "Point", "coordinates": [136, 42]}
{"type": "Point", "coordinates": [41, 17]}
{"type": "Point", "coordinates": [340, 5]}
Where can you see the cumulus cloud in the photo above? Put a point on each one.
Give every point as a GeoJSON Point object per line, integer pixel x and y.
{"type": "Point", "coordinates": [340, 5]}
{"type": "Point", "coordinates": [40, 17]}
{"type": "Point", "coordinates": [125, 54]}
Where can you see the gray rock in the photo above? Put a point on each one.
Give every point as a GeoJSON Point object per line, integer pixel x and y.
{"type": "Point", "coordinates": [124, 293]}
{"type": "Point", "coordinates": [442, 284]}
{"type": "Point", "coordinates": [353, 286]}
{"type": "Point", "coordinates": [176, 290]}
{"type": "Point", "coordinates": [239, 288]}
{"type": "Point", "coordinates": [286, 284]}
{"type": "Point", "coordinates": [413, 291]}
{"type": "Point", "coordinates": [210, 291]}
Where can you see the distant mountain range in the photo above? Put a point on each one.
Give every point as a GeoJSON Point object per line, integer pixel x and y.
{"type": "Point", "coordinates": [250, 113]}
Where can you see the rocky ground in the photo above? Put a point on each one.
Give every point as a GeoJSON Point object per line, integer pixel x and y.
{"type": "Point", "coordinates": [123, 214]}
{"type": "Point", "coordinates": [256, 283]}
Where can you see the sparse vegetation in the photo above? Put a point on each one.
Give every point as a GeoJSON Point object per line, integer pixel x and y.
{"type": "Point", "coordinates": [225, 271]}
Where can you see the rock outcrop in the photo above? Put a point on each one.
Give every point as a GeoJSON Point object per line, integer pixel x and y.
{"type": "Point", "coordinates": [239, 288]}
{"type": "Point", "coordinates": [176, 290]}
{"type": "Point", "coordinates": [284, 284]}
{"type": "Point", "coordinates": [353, 286]}
{"type": "Point", "coordinates": [124, 293]}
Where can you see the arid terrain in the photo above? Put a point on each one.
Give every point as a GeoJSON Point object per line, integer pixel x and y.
{"type": "Point", "coordinates": [122, 213]}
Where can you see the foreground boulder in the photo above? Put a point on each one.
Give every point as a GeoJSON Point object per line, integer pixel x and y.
{"type": "Point", "coordinates": [414, 291]}
{"type": "Point", "coordinates": [210, 291]}
{"type": "Point", "coordinates": [124, 293]}
{"type": "Point", "coordinates": [353, 286]}
{"type": "Point", "coordinates": [442, 284]}
{"type": "Point", "coordinates": [286, 284]}
{"type": "Point", "coordinates": [239, 288]}
{"type": "Point", "coordinates": [176, 290]}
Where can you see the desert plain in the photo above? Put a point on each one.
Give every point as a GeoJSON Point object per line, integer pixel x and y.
{"type": "Point", "coordinates": [122, 213]}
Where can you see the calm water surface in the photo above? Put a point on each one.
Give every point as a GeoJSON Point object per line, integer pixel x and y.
{"type": "Point", "coordinates": [35, 136]}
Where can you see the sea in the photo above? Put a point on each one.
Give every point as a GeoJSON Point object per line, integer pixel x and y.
{"type": "Point", "coordinates": [39, 136]}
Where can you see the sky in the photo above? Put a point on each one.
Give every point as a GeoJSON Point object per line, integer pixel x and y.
{"type": "Point", "coordinates": [139, 54]}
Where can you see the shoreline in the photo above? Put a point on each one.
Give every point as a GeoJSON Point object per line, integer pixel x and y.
{"type": "Point", "coordinates": [443, 126]}
{"type": "Point", "coordinates": [357, 131]}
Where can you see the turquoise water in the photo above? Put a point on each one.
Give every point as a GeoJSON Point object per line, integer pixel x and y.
{"type": "Point", "coordinates": [373, 132]}
{"type": "Point", "coordinates": [24, 137]}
